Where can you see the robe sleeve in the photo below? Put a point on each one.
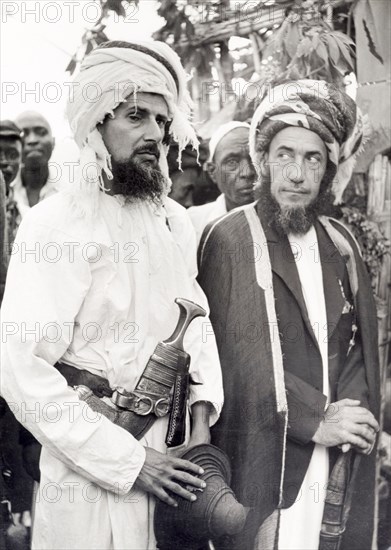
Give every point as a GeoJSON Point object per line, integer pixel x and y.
{"type": "Point", "coordinates": [46, 285]}
{"type": "Point", "coordinates": [306, 406]}
{"type": "Point", "coordinates": [352, 382]}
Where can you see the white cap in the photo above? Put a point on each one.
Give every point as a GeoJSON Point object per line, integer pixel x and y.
{"type": "Point", "coordinates": [221, 132]}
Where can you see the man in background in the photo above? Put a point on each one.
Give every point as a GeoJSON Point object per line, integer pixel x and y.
{"type": "Point", "coordinates": [231, 169]}
{"type": "Point", "coordinates": [20, 451]}
{"type": "Point", "coordinates": [11, 147]}
{"type": "Point", "coordinates": [36, 180]}
{"type": "Point", "coordinates": [188, 179]}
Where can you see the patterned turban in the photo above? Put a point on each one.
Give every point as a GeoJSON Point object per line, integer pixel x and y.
{"type": "Point", "coordinates": [321, 108]}
{"type": "Point", "coordinates": [108, 76]}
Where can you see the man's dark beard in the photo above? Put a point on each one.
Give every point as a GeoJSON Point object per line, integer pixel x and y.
{"type": "Point", "coordinates": [296, 219]}
{"type": "Point", "coordinates": [136, 180]}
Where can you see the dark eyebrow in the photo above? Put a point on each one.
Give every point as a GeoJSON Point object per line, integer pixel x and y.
{"type": "Point", "coordinates": [231, 156]}
{"type": "Point", "coordinates": [163, 117]}
{"type": "Point", "coordinates": [285, 147]}
{"type": "Point", "coordinates": [315, 152]}
{"type": "Point", "coordinates": [290, 150]}
{"type": "Point", "coordinates": [35, 128]}
{"type": "Point", "coordinates": [144, 111]}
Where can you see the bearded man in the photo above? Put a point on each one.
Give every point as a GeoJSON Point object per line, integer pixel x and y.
{"type": "Point", "coordinates": [110, 255]}
{"type": "Point", "coordinates": [295, 322]}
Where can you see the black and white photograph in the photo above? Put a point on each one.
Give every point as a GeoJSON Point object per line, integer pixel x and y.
{"type": "Point", "coordinates": [195, 289]}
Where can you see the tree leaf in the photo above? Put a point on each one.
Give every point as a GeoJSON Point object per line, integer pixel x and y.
{"type": "Point", "coordinates": [292, 39]}
{"type": "Point", "coordinates": [321, 51]}
{"type": "Point", "coordinates": [304, 48]}
{"type": "Point", "coordinates": [344, 37]}
{"type": "Point", "coordinates": [333, 48]}
{"type": "Point", "coordinates": [315, 41]}
{"type": "Point", "coordinates": [348, 58]}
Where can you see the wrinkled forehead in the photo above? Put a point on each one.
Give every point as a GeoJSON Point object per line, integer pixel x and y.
{"type": "Point", "coordinates": [236, 141]}
{"type": "Point", "coordinates": [154, 103]}
{"type": "Point", "coordinates": [298, 139]}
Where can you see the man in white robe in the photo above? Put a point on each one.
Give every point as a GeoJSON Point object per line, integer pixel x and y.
{"type": "Point", "coordinates": [92, 283]}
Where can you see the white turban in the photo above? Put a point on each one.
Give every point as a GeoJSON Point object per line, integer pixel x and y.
{"type": "Point", "coordinates": [107, 77]}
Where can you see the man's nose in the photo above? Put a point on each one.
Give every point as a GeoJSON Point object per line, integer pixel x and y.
{"type": "Point", "coordinates": [154, 132]}
{"type": "Point", "coordinates": [4, 160]}
{"type": "Point", "coordinates": [31, 138]}
{"type": "Point", "coordinates": [295, 171]}
{"type": "Point", "coordinates": [247, 170]}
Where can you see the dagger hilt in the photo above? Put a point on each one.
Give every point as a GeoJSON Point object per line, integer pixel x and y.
{"type": "Point", "coordinates": [187, 312]}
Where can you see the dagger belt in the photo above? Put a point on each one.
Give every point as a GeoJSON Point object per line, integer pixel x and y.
{"type": "Point", "coordinates": [162, 389]}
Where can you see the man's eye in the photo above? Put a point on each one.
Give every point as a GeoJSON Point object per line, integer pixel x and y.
{"type": "Point", "coordinates": [41, 132]}
{"type": "Point", "coordinates": [10, 155]}
{"type": "Point", "coordinates": [284, 156]}
{"type": "Point", "coordinates": [314, 159]}
{"type": "Point", "coordinates": [161, 123]}
{"type": "Point", "coordinates": [134, 116]}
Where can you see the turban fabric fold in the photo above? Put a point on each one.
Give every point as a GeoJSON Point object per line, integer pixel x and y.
{"type": "Point", "coordinates": [317, 106]}
{"type": "Point", "coordinates": [108, 76]}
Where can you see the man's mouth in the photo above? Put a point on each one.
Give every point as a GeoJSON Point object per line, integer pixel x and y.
{"type": "Point", "coordinates": [295, 191]}
{"type": "Point", "coordinates": [147, 155]}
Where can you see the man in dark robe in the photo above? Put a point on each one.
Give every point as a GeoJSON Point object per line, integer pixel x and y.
{"type": "Point", "coordinates": [295, 321]}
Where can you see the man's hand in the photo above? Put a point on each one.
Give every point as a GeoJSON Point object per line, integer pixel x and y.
{"type": "Point", "coordinates": [161, 473]}
{"type": "Point", "coordinates": [345, 422]}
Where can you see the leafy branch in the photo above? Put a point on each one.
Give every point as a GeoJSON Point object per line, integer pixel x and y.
{"type": "Point", "coordinates": [96, 35]}
{"type": "Point", "coordinates": [373, 244]}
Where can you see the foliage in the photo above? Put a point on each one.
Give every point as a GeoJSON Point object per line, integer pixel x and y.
{"type": "Point", "coordinates": [95, 36]}
{"type": "Point", "coordinates": [180, 23]}
{"type": "Point", "coordinates": [306, 46]}
{"type": "Point", "coordinates": [373, 244]}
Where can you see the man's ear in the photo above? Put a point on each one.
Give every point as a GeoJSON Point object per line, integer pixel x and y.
{"type": "Point", "coordinates": [262, 164]}
{"type": "Point", "coordinates": [210, 167]}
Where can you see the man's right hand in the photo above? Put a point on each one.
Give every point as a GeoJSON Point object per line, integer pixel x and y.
{"type": "Point", "coordinates": [161, 472]}
{"type": "Point", "coordinates": [346, 422]}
